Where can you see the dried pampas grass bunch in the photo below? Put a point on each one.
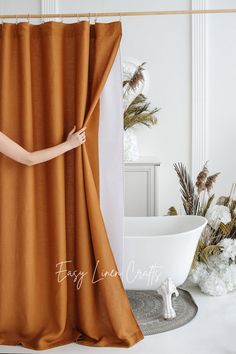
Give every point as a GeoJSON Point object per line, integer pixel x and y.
{"type": "Point", "coordinates": [134, 80]}
{"type": "Point", "coordinates": [138, 111]}
{"type": "Point", "coordinates": [197, 199]}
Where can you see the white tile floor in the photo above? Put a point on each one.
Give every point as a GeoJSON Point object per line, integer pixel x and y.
{"type": "Point", "coordinates": [212, 331]}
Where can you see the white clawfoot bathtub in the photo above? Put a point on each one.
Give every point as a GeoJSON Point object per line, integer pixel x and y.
{"type": "Point", "coordinates": [158, 247]}
{"type": "Point", "coordinates": [158, 253]}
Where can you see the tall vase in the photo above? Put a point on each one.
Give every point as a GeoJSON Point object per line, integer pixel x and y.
{"type": "Point", "coordinates": [131, 150]}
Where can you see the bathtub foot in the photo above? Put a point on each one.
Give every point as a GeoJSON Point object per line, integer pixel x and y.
{"type": "Point", "coordinates": [166, 290]}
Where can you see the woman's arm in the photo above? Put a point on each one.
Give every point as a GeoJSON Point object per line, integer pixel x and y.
{"type": "Point", "coordinates": [16, 152]}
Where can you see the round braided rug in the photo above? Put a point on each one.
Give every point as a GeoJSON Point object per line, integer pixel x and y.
{"type": "Point", "coordinates": [147, 308]}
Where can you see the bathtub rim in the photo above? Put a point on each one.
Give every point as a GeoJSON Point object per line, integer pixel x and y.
{"type": "Point", "coordinates": [202, 226]}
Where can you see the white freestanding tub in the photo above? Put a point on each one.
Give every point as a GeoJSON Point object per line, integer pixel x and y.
{"type": "Point", "coordinates": [158, 248]}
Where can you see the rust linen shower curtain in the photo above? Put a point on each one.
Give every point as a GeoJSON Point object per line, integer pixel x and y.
{"type": "Point", "coordinates": [58, 281]}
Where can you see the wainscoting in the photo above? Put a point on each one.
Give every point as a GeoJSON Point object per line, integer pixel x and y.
{"type": "Point", "coordinates": [141, 187]}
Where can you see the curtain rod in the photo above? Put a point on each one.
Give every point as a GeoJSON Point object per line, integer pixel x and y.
{"type": "Point", "coordinates": [121, 14]}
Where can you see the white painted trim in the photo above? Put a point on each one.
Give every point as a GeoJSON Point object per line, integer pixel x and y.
{"type": "Point", "coordinates": [156, 190]}
{"type": "Point", "coordinates": [49, 6]}
{"type": "Point", "coordinates": [199, 88]}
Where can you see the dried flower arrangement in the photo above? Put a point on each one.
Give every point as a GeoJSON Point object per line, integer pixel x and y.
{"type": "Point", "coordinates": [214, 264]}
{"type": "Point", "coordinates": [138, 111]}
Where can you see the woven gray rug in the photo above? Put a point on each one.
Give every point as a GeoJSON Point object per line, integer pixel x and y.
{"type": "Point", "coordinates": [147, 308]}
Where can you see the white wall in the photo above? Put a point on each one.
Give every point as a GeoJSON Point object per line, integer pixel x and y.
{"type": "Point", "coordinates": [24, 6]}
{"type": "Point", "coordinates": [221, 79]}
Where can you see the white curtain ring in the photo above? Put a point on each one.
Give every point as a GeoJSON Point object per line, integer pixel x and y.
{"type": "Point", "coordinates": [78, 18]}
{"type": "Point", "coordinates": [28, 18]}
{"type": "Point", "coordinates": [16, 19]}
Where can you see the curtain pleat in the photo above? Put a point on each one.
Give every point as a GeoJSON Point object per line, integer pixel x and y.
{"type": "Point", "coordinates": [58, 281]}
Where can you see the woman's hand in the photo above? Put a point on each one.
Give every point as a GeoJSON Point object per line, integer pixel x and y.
{"type": "Point", "coordinates": [75, 139]}
{"type": "Point", "coordinates": [16, 152]}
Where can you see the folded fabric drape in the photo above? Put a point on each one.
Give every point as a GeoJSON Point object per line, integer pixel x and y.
{"type": "Point", "coordinates": [111, 159]}
{"type": "Point", "coordinates": [58, 276]}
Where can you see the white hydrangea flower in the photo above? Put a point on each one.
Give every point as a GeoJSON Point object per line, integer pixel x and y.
{"type": "Point", "coordinates": [229, 248]}
{"type": "Point", "coordinates": [218, 214]}
{"type": "Point", "coordinates": [197, 273]}
{"type": "Point", "coordinates": [213, 285]}
{"type": "Point", "coordinates": [218, 277]}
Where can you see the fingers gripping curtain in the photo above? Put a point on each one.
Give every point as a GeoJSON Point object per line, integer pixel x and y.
{"type": "Point", "coordinates": [58, 280]}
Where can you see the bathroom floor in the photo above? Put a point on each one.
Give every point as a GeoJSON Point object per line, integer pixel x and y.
{"type": "Point", "coordinates": [212, 331]}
